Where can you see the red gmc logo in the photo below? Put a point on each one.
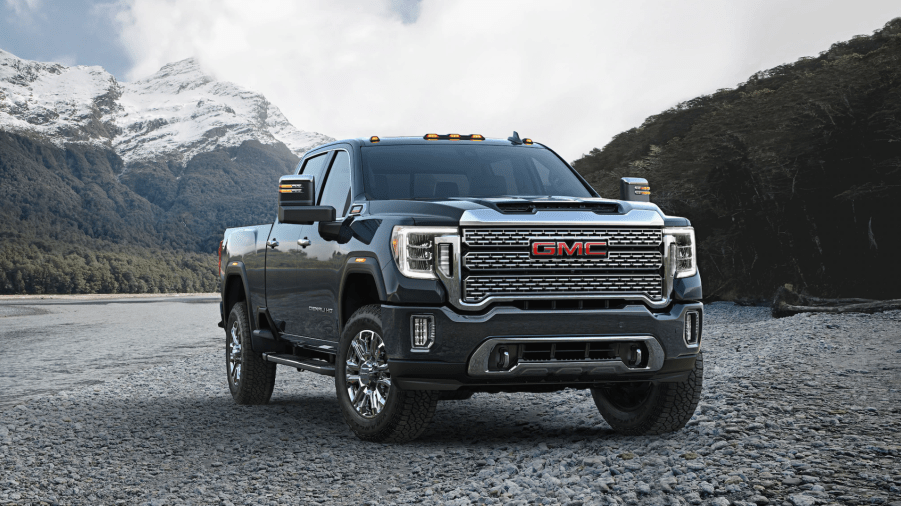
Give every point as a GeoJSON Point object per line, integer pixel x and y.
{"type": "Point", "coordinates": [569, 247]}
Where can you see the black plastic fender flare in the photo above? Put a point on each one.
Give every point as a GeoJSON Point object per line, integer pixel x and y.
{"type": "Point", "coordinates": [236, 269]}
{"type": "Point", "coordinates": [352, 266]}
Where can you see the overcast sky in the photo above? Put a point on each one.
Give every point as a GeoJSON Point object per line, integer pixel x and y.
{"type": "Point", "coordinates": [570, 74]}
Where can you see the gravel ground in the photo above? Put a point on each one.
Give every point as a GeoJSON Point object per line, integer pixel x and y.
{"type": "Point", "coordinates": [73, 342]}
{"type": "Point", "coordinates": [800, 411]}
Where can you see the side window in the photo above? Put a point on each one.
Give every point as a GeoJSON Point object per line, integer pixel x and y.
{"type": "Point", "coordinates": [316, 167]}
{"type": "Point", "coordinates": [337, 185]}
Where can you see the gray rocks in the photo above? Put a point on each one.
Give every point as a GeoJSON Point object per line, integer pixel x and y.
{"type": "Point", "coordinates": [782, 420]}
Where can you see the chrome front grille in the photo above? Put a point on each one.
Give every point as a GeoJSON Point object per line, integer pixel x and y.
{"type": "Point", "coordinates": [519, 260]}
{"type": "Point", "coordinates": [496, 264]}
{"type": "Point", "coordinates": [478, 237]}
{"type": "Point", "coordinates": [477, 288]}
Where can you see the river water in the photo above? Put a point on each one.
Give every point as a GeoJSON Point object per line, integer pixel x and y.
{"type": "Point", "coordinates": [53, 345]}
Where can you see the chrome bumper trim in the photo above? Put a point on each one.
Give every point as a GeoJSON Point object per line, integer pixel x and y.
{"type": "Point", "coordinates": [478, 364]}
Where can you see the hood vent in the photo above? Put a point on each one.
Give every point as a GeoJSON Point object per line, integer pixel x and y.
{"type": "Point", "coordinates": [532, 207]}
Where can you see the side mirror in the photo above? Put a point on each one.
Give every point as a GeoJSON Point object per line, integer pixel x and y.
{"type": "Point", "coordinates": [635, 189]}
{"type": "Point", "coordinates": [338, 231]}
{"type": "Point", "coordinates": [296, 199]}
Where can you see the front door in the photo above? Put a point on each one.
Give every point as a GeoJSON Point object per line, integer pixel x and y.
{"type": "Point", "coordinates": [285, 259]}
{"type": "Point", "coordinates": [320, 275]}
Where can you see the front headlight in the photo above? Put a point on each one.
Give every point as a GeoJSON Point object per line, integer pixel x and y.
{"type": "Point", "coordinates": [414, 250]}
{"type": "Point", "coordinates": [682, 251]}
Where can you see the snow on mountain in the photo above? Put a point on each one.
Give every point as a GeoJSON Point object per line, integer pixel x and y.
{"type": "Point", "coordinates": [173, 115]}
{"type": "Point", "coordinates": [62, 103]}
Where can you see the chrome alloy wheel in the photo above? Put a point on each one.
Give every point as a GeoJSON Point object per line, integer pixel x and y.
{"type": "Point", "coordinates": [366, 375]}
{"type": "Point", "coordinates": [233, 355]}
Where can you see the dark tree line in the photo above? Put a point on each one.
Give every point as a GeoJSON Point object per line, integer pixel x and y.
{"type": "Point", "coordinates": [76, 220]}
{"type": "Point", "coordinates": [43, 266]}
{"type": "Point", "coordinates": [793, 177]}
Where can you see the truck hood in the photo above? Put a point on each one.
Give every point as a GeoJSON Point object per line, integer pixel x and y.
{"type": "Point", "coordinates": [521, 210]}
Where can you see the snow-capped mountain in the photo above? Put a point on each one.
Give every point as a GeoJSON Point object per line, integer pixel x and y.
{"type": "Point", "coordinates": [173, 115]}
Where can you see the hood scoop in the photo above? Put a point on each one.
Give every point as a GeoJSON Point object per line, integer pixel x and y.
{"type": "Point", "coordinates": [533, 207]}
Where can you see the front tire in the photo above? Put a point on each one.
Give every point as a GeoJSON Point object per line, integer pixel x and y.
{"type": "Point", "coordinates": [645, 408]}
{"type": "Point", "coordinates": [373, 406]}
{"type": "Point", "coordinates": [250, 378]}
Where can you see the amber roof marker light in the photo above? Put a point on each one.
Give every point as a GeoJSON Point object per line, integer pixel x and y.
{"type": "Point", "coordinates": [453, 137]}
{"type": "Point", "coordinates": [374, 139]}
{"type": "Point", "coordinates": [527, 142]}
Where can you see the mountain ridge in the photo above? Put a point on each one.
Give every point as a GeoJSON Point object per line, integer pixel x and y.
{"type": "Point", "coordinates": [793, 177]}
{"type": "Point", "coordinates": [127, 187]}
{"type": "Point", "coordinates": [176, 113]}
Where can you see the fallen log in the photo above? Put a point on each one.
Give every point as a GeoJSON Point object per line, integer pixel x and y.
{"type": "Point", "coordinates": [786, 302]}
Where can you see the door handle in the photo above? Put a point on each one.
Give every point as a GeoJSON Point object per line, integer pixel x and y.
{"type": "Point", "coordinates": [272, 243]}
{"type": "Point", "coordinates": [303, 242]}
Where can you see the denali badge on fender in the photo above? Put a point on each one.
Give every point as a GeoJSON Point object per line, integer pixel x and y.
{"type": "Point", "coordinates": [568, 247]}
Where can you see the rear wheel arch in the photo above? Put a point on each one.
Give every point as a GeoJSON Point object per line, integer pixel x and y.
{"type": "Point", "coordinates": [235, 292]}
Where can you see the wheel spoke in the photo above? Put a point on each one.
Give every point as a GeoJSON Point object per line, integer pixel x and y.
{"type": "Point", "coordinates": [385, 382]}
{"type": "Point", "coordinates": [359, 350]}
{"type": "Point", "coordinates": [359, 398]}
{"type": "Point", "coordinates": [373, 401]}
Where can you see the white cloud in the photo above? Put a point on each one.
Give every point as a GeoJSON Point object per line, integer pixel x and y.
{"type": "Point", "coordinates": [23, 7]}
{"type": "Point", "coordinates": [568, 74]}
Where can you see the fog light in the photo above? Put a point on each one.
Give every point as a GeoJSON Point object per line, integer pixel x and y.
{"type": "Point", "coordinates": [692, 332]}
{"type": "Point", "coordinates": [444, 259]}
{"type": "Point", "coordinates": [422, 328]}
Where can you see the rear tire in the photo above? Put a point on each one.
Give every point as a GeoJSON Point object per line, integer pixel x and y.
{"type": "Point", "coordinates": [373, 406]}
{"type": "Point", "coordinates": [644, 408]}
{"type": "Point", "coordinates": [250, 378]}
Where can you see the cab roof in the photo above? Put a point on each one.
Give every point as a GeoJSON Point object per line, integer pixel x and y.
{"type": "Point", "coordinates": [397, 141]}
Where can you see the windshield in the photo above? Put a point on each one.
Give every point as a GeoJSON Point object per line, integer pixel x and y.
{"type": "Point", "coordinates": [431, 172]}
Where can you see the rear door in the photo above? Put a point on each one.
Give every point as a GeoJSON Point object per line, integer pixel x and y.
{"type": "Point", "coordinates": [284, 258]}
{"type": "Point", "coordinates": [320, 274]}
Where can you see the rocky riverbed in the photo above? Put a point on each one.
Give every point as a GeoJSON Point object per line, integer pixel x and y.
{"type": "Point", "coordinates": [802, 411]}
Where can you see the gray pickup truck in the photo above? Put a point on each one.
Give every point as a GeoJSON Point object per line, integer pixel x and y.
{"type": "Point", "coordinates": [421, 269]}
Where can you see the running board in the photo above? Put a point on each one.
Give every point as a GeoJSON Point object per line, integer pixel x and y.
{"type": "Point", "coordinates": [317, 366]}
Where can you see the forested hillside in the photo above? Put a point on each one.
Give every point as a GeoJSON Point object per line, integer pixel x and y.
{"type": "Point", "coordinates": [75, 220]}
{"type": "Point", "coordinates": [792, 177]}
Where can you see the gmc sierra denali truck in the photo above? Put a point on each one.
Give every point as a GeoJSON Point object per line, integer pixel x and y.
{"type": "Point", "coordinates": [421, 269]}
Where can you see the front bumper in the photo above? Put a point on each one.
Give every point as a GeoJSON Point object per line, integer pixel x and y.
{"type": "Point", "coordinates": [461, 340]}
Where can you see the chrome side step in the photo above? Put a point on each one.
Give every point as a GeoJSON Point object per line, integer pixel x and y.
{"type": "Point", "coordinates": [307, 364]}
